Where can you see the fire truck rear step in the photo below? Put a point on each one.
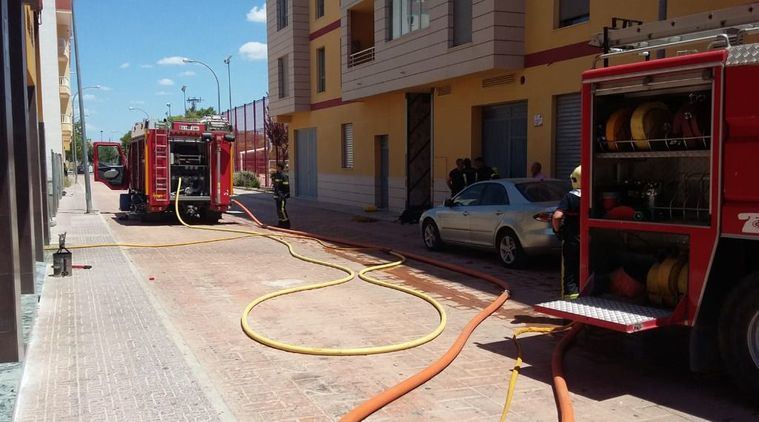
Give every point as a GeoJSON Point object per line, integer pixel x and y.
{"type": "Point", "coordinates": [607, 313]}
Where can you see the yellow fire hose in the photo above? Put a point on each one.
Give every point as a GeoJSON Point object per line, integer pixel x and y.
{"type": "Point", "coordinates": [350, 275]}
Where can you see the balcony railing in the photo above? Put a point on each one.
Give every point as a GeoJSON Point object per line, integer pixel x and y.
{"type": "Point", "coordinates": [66, 119]}
{"type": "Point", "coordinates": [361, 57]}
{"type": "Point", "coordinates": [65, 85]}
{"type": "Point", "coordinates": [64, 48]}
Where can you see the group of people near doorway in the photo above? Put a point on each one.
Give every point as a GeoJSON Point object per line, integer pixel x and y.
{"type": "Point", "coordinates": [467, 172]}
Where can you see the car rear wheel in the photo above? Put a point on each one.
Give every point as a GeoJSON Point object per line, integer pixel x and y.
{"type": "Point", "coordinates": [431, 235]}
{"type": "Point", "coordinates": [739, 335]}
{"type": "Point", "coordinates": [509, 249]}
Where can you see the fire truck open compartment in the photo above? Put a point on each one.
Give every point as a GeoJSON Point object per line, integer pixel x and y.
{"type": "Point", "coordinates": [644, 268]}
{"type": "Point", "coordinates": [651, 154]}
{"type": "Point", "coordinates": [189, 160]}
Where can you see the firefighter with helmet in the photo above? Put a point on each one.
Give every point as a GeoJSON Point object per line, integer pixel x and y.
{"type": "Point", "coordinates": [281, 183]}
{"type": "Point", "coordinates": [566, 225]}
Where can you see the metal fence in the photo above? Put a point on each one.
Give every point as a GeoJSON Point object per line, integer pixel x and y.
{"type": "Point", "coordinates": [253, 152]}
{"type": "Point", "coordinates": [56, 184]}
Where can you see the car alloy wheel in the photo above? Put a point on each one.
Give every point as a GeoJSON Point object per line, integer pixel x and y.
{"type": "Point", "coordinates": [508, 249]}
{"type": "Point", "coordinates": [752, 337]}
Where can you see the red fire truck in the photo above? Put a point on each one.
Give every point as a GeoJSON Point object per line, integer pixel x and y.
{"type": "Point", "coordinates": [158, 154]}
{"type": "Point", "coordinates": [670, 192]}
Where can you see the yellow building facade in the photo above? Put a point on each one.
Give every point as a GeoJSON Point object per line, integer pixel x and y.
{"type": "Point", "coordinates": [522, 106]}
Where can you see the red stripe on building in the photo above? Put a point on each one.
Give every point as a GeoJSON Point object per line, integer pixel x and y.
{"type": "Point", "coordinates": [324, 30]}
{"type": "Point", "coordinates": [329, 103]}
{"type": "Point", "coordinates": [567, 52]}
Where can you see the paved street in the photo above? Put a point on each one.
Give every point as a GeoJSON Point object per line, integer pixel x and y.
{"type": "Point", "coordinates": [154, 334]}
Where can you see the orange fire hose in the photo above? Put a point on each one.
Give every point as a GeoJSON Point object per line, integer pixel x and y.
{"type": "Point", "coordinates": [560, 389]}
{"type": "Point", "coordinates": [379, 401]}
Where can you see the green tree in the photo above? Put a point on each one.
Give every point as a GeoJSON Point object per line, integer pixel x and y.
{"type": "Point", "coordinates": [125, 140]}
{"type": "Point", "coordinates": [194, 114]}
{"type": "Point", "coordinates": [77, 143]}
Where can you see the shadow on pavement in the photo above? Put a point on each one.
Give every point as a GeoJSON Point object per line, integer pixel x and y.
{"type": "Point", "coordinates": [652, 366]}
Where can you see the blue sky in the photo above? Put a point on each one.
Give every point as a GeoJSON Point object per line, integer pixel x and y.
{"type": "Point", "coordinates": [133, 49]}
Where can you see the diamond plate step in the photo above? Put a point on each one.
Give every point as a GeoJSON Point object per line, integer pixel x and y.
{"type": "Point", "coordinates": [607, 313]}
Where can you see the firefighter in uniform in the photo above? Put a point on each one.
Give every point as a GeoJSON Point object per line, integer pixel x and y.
{"type": "Point", "coordinates": [566, 224]}
{"type": "Point", "coordinates": [281, 183]}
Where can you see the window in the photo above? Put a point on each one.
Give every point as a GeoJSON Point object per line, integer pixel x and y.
{"type": "Point", "coordinates": [543, 191]}
{"type": "Point", "coordinates": [347, 146]}
{"type": "Point", "coordinates": [319, 8]}
{"type": "Point", "coordinates": [321, 73]}
{"type": "Point", "coordinates": [282, 15]}
{"type": "Point", "coordinates": [407, 16]}
{"type": "Point", "coordinates": [573, 11]}
{"type": "Point", "coordinates": [282, 76]}
{"type": "Point", "coordinates": [462, 22]}
{"type": "Point", "coordinates": [469, 196]}
{"type": "Point", "coordinates": [495, 194]}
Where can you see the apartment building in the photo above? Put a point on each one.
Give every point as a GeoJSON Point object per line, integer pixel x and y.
{"type": "Point", "coordinates": [382, 96]}
{"type": "Point", "coordinates": [63, 30]}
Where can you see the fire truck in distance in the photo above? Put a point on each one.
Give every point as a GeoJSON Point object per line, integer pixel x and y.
{"type": "Point", "coordinates": [158, 155]}
{"type": "Point", "coordinates": [670, 190]}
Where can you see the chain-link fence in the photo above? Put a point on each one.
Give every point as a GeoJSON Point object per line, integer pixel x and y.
{"type": "Point", "coordinates": [253, 151]}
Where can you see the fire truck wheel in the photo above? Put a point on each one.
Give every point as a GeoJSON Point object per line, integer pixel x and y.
{"type": "Point", "coordinates": [510, 249]}
{"type": "Point", "coordinates": [211, 217]}
{"type": "Point", "coordinates": [431, 235]}
{"type": "Point", "coordinates": [739, 334]}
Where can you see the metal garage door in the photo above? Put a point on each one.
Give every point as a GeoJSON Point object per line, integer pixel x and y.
{"type": "Point", "coordinates": [567, 142]}
{"type": "Point", "coordinates": [504, 138]}
{"type": "Point", "coordinates": [305, 164]}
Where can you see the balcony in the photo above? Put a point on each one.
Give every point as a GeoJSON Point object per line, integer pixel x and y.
{"type": "Point", "coordinates": [64, 50]}
{"type": "Point", "coordinates": [67, 127]}
{"type": "Point", "coordinates": [64, 84]}
{"type": "Point", "coordinates": [361, 32]}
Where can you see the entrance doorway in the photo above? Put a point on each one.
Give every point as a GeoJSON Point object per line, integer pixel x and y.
{"type": "Point", "coordinates": [382, 172]}
{"type": "Point", "coordinates": [418, 151]}
{"type": "Point", "coordinates": [504, 138]}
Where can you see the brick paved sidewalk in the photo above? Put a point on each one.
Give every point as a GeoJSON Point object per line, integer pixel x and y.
{"type": "Point", "coordinates": [101, 350]}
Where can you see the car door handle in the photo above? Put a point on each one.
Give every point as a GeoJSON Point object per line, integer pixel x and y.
{"type": "Point", "coordinates": [465, 213]}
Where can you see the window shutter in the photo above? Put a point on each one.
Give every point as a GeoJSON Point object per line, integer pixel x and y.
{"type": "Point", "coordinates": [348, 145]}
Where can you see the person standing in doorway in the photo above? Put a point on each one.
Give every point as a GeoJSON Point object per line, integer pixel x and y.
{"type": "Point", "coordinates": [470, 174]}
{"type": "Point", "coordinates": [456, 180]}
{"type": "Point", "coordinates": [566, 224]}
{"type": "Point", "coordinates": [483, 172]}
{"type": "Point", "coordinates": [281, 183]}
{"type": "Point", "coordinates": [536, 170]}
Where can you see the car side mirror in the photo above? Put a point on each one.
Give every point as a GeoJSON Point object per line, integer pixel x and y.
{"type": "Point", "coordinates": [448, 202]}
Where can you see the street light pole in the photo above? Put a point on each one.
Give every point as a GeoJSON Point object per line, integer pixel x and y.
{"type": "Point", "coordinates": [73, 118]}
{"type": "Point", "coordinates": [168, 114]}
{"type": "Point", "coordinates": [85, 159]}
{"type": "Point", "coordinates": [228, 60]}
{"type": "Point", "coordinates": [184, 99]}
{"type": "Point", "coordinates": [218, 88]}
{"type": "Point", "coordinates": [147, 116]}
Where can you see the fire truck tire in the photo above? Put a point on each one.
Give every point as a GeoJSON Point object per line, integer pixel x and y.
{"type": "Point", "coordinates": [739, 335]}
{"type": "Point", "coordinates": [211, 217]}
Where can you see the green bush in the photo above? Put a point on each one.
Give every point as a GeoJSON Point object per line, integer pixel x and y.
{"type": "Point", "coordinates": [246, 179]}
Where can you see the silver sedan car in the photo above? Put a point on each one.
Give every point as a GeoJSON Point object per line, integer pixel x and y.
{"type": "Point", "coordinates": [512, 216]}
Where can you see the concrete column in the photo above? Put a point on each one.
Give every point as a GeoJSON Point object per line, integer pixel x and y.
{"type": "Point", "coordinates": [22, 151]}
{"type": "Point", "coordinates": [44, 193]}
{"type": "Point", "coordinates": [11, 342]}
{"type": "Point", "coordinates": [38, 181]}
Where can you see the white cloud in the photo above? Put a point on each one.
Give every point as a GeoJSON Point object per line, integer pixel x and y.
{"type": "Point", "coordinates": [173, 60]}
{"type": "Point", "coordinates": [146, 66]}
{"type": "Point", "coordinates": [253, 50]}
{"type": "Point", "coordinates": [257, 14]}
{"type": "Point", "coordinates": [137, 102]}
{"type": "Point", "coordinates": [166, 82]}
{"type": "Point", "coordinates": [187, 73]}
{"type": "Point", "coordinates": [105, 88]}
{"type": "Point", "coordinates": [89, 97]}
{"type": "Point", "coordinates": [162, 93]}
{"type": "Point", "coordinates": [124, 65]}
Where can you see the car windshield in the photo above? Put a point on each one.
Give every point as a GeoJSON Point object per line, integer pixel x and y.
{"type": "Point", "coordinates": [543, 191]}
